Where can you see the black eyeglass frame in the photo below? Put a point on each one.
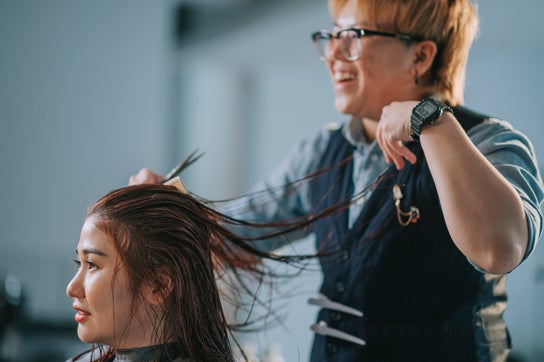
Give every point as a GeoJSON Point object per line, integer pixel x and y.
{"type": "Point", "coordinates": [360, 32]}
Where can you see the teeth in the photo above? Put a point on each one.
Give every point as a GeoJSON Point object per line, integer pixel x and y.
{"type": "Point", "coordinates": [340, 76]}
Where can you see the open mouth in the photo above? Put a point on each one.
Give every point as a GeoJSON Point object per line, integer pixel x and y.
{"type": "Point", "coordinates": [343, 76]}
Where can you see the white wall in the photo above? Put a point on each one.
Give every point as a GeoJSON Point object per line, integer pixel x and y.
{"type": "Point", "coordinates": [83, 104]}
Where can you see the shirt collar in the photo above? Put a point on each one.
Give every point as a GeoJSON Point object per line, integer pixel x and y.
{"type": "Point", "coordinates": [354, 133]}
{"type": "Point", "coordinates": [167, 352]}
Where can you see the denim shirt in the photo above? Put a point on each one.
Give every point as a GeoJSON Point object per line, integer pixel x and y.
{"type": "Point", "coordinates": [284, 196]}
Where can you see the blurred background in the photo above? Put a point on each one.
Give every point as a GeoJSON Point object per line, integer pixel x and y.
{"type": "Point", "coordinates": [91, 91]}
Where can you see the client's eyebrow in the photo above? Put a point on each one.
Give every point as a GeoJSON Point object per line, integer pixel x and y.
{"type": "Point", "coordinates": [92, 251]}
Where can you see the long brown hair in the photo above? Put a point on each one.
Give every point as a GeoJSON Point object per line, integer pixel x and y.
{"type": "Point", "coordinates": [175, 243]}
{"type": "Point", "coordinates": [179, 245]}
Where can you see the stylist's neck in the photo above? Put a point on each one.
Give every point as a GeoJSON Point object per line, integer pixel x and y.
{"type": "Point", "coordinates": [369, 127]}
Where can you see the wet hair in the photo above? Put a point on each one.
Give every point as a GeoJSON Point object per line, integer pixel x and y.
{"type": "Point", "coordinates": [179, 245]}
{"type": "Point", "coordinates": [176, 245]}
{"type": "Point", "coordinates": [451, 24]}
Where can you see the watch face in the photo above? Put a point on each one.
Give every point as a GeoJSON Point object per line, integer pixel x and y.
{"type": "Point", "coordinates": [426, 109]}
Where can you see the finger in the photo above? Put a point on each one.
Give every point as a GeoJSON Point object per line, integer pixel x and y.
{"type": "Point", "coordinates": [145, 176]}
{"type": "Point", "coordinates": [409, 155]}
{"type": "Point", "coordinates": [401, 149]}
{"type": "Point", "coordinates": [392, 155]}
{"type": "Point", "coordinates": [396, 154]}
{"type": "Point", "coordinates": [399, 162]}
{"type": "Point", "coordinates": [149, 176]}
{"type": "Point", "coordinates": [382, 144]}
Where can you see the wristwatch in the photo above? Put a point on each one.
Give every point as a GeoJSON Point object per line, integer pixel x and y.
{"type": "Point", "coordinates": [425, 113]}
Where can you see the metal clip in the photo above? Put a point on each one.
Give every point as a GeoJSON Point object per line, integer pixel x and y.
{"type": "Point", "coordinates": [323, 329]}
{"type": "Point", "coordinates": [324, 302]}
{"type": "Point", "coordinates": [411, 216]}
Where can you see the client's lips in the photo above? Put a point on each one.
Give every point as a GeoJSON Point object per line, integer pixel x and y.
{"type": "Point", "coordinates": [81, 315]}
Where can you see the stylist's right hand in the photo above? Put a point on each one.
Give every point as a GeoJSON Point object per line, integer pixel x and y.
{"type": "Point", "coordinates": [145, 176]}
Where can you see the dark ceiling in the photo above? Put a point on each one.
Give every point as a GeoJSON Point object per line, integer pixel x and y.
{"type": "Point", "coordinates": [197, 20]}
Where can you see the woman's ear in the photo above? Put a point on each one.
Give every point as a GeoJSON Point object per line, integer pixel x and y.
{"type": "Point", "coordinates": [424, 54]}
{"type": "Point", "coordinates": [156, 293]}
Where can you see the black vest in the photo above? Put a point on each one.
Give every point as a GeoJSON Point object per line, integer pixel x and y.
{"type": "Point", "coordinates": [418, 292]}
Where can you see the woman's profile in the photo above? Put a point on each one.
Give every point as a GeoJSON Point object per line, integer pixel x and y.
{"type": "Point", "coordinates": [145, 288]}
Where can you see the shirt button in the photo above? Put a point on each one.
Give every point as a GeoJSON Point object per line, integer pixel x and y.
{"type": "Point", "coordinates": [344, 255]}
{"type": "Point", "coordinates": [335, 316]}
{"type": "Point", "coordinates": [340, 287]}
{"type": "Point", "coordinates": [331, 347]}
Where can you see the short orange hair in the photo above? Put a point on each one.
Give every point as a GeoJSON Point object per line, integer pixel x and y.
{"type": "Point", "coordinates": [451, 24]}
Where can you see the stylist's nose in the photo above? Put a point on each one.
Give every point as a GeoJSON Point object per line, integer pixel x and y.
{"type": "Point", "coordinates": [333, 50]}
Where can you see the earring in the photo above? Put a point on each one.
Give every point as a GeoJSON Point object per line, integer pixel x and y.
{"type": "Point", "coordinates": [416, 78]}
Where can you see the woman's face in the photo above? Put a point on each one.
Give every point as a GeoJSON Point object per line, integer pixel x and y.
{"type": "Point", "coordinates": [101, 295]}
{"type": "Point", "coordinates": [382, 74]}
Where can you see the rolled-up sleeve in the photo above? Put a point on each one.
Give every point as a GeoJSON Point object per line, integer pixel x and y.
{"type": "Point", "coordinates": [513, 155]}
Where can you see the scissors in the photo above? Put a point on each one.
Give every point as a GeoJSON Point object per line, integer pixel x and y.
{"type": "Point", "coordinates": [192, 158]}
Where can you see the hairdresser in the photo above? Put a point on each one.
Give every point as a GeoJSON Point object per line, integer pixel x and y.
{"type": "Point", "coordinates": [415, 266]}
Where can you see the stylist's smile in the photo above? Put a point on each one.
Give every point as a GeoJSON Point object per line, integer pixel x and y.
{"type": "Point", "coordinates": [343, 76]}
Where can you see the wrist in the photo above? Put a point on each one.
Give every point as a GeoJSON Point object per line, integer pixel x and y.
{"type": "Point", "coordinates": [426, 113]}
{"type": "Point", "coordinates": [441, 122]}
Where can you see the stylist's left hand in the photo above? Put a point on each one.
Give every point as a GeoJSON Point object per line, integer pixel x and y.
{"type": "Point", "coordinates": [393, 130]}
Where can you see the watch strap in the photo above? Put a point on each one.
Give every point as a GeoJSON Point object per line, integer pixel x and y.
{"type": "Point", "coordinates": [425, 113]}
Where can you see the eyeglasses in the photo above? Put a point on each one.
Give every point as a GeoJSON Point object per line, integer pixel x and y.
{"type": "Point", "coordinates": [349, 40]}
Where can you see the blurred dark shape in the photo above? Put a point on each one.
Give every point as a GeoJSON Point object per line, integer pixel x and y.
{"type": "Point", "coordinates": [195, 22]}
{"type": "Point", "coordinates": [515, 358]}
{"type": "Point", "coordinates": [11, 309]}
{"type": "Point", "coordinates": [11, 300]}
{"type": "Point", "coordinates": [25, 339]}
